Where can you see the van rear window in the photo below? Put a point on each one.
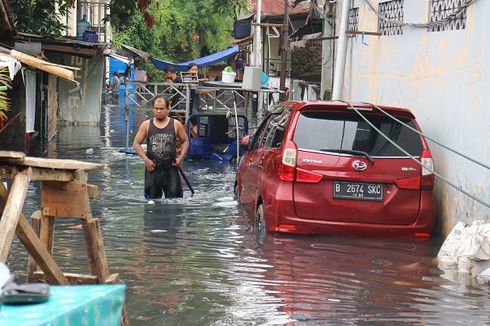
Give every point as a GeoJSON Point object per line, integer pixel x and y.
{"type": "Point", "coordinates": [348, 131]}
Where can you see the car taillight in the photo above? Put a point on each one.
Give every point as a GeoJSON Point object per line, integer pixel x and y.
{"type": "Point", "coordinates": [408, 183]}
{"type": "Point", "coordinates": [288, 164]}
{"type": "Point", "coordinates": [427, 180]}
{"type": "Point", "coordinates": [307, 176]}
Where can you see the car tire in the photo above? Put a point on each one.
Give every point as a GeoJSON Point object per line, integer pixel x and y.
{"type": "Point", "coordinates": [260, 223]}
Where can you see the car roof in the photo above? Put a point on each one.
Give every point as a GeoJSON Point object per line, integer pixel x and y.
{"type": "Point", "coordinates": [342, 106]}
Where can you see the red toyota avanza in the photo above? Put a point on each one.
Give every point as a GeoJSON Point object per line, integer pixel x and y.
{"type": "Point", "coordinates": [336, 168]}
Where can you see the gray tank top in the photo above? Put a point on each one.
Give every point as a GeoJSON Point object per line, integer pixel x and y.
{"type": "Point", "coordinates": [161, 144]}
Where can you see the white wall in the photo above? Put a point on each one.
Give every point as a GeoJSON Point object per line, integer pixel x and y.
{"type": "Point", "coordinates": [444, 78]}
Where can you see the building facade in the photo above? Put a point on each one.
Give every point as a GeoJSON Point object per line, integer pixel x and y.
{"type": "Point", "coordinates": [431, 56]}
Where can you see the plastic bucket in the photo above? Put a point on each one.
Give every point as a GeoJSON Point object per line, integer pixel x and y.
{"type": "Point", "coordinates": [228, 77]}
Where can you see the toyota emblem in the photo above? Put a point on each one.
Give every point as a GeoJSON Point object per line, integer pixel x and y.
{"type": "Point", "coordinates": [359, 165]}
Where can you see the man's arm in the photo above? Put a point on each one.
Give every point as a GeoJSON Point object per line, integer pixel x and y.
{"type": "Point", "coordinates": [138, 140]}
{"type": "Point", "coordinates": [182, 136]}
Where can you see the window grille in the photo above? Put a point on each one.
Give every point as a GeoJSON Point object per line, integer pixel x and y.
{"type": "Point", "coordinates": [393, 12]}
{"type": "Point", "coordinates": [442, 9]}
{"type": "Point", "coordinates": [354, 20]}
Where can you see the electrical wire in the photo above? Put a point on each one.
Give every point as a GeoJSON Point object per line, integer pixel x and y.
{"type": "Point", "coordinates": [434, 141]}
{"type": "Point", "coordinates": [413, 158]}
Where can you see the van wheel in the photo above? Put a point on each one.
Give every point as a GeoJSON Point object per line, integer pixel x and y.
{"type": "Point", "coordinates": [260, 224]}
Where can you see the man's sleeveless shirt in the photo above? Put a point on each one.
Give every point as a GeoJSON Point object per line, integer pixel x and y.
{"type": "Point", "coordinates": [161, 144]}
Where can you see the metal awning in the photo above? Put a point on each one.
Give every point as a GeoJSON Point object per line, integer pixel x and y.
{"type": "Point", "coordinates": [137, 52]}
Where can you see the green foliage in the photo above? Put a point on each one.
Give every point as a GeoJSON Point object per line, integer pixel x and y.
{"type": "Point", "coordinates": [39, 16]}
{"type": "Point", "coordinates": [183, 29]}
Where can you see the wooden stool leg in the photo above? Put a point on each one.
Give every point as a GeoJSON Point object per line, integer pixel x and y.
{"type": "Point", "coordinates": [95, 249]}
{"type": "Point", "coordinates": [36, 226]}
{"type": "Point", "coordinates": [13, 201]}
{"type": "Point", "coordinates": [44, 228]}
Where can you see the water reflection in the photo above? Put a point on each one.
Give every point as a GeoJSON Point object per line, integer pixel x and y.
{"type": "Point", "coordinates": [196, 260]}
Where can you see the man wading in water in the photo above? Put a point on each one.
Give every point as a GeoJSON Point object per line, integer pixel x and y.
{"type": "Point", "coordinates": [161, 159]}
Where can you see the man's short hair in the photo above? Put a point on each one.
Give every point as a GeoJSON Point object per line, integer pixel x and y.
{"type": "Point", "coordinates": [158, 98]}
{"type": "Point", "coordinates": [170, 69]}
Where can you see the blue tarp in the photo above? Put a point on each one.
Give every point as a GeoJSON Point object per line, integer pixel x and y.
{"type": "Point", "coordinates": [201, 62]}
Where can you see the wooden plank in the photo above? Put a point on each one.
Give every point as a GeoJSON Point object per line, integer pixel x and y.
{"type": "Point", "coordinates": [113, 279]}
{"type": "Point", "coordinates": [53, 163]}
{"type": "Point", "coordinates": [80, 176]}
{"type": "Point", "coordinates": [93, 191]}
{"type": "Point", "coordinates": [34, 246]}
{"type": "Point", "coordinates": [42, 174]}
{"type": "Point", "coordinates": [12, 211]}
{"type": "Point", "coordinates": [65, 199]}
{"type": "Point", "coordinates": [95, 248]}
{"type": "Point", "coordinates": [42, 65]}
{"type": "Point", "coordinates": [74, 279]}
{"type": "Point", "coordinates": [16, 156]}
{"type": "Point", "coordinates": [36, 226]}
{"type": "Point", "coordinates": [46, 232]}
{"type": "Point", "coordinates": [38, 174]}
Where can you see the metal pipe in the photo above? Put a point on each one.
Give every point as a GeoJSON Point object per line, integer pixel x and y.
{"type": "Point", "coordinates": [256, 58]}
{"type": "Point", "coordinates": [126, 116]}
{"type": "Point", "coordinates": [341, 54]}
{"type": "Point", "coordinates": [237, 130]}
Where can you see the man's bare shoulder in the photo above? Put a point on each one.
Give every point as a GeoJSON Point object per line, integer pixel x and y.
{"type": "Point", "coordinates": [177, 123]}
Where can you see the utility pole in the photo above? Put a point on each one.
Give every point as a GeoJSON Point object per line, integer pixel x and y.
{"type": "Point", "coordinates": [341, 53]}
{"type": "Point", "coordinates": [257, 41]}
{"type": "Point", "coordinates": [284, 46]}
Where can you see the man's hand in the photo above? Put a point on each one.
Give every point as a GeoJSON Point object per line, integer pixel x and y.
{"type": "Point", "coordinates": [150, 165]}
{"type": "Point", "coordinates": [178, 161]}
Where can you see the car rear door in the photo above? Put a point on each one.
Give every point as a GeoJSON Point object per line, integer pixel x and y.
{"type": "Point", "coordinates": [354, 188]}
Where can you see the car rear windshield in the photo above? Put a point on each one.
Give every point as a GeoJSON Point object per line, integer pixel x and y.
{"type": "Point", "coordinates": [323, 131]}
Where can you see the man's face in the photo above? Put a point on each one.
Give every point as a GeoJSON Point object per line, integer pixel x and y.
{"type": "Point", "coordinates": [160, 110]}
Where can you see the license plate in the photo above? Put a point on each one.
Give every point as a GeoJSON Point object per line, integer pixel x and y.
{"type": "Point", "coordinates": [360, 191]}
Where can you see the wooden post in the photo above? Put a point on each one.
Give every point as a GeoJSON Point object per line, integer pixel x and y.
{"type": "Point", "coordinates": [95, 249]}
{"type": "Point", "coordinates": [12, 211]}
{"type": "Point", "coordinates": [36, 226]}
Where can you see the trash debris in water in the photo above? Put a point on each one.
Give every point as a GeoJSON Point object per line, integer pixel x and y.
{"type": "Point", "coordinates": [151, 202]}
{"type": "Point", "coordinates": [89, 151]}
{"type": "Point", "coordinates": [467, 249]}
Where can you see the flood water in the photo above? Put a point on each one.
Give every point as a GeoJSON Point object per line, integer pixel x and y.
{"type": "Point", "coordinates": [197, 260]}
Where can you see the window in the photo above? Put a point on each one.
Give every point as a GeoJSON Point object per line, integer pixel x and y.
{"type": "Point", "coordinates": [354, 20]}
{"type": "Point", "coordinates": [321, 131]}
{"type": "Point", "coordinates": [275, 129]}
{"type": "Point", "coordinates": [393, 12]}
{"type": "Point", "coordinates": [452, 12]}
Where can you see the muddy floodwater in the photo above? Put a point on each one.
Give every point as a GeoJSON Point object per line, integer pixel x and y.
{"type": "Point", "coordinates": [197, 260]}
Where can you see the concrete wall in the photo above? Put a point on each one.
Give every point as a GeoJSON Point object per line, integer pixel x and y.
{"type": "Point", "coordinates": [444, 78]}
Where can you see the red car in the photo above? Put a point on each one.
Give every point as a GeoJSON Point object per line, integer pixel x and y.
{"type": "Point", "coordinates": [324, 168]}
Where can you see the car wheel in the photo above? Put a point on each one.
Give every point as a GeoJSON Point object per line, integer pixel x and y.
{"type": "Point", "coordinates": [260, 224]}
